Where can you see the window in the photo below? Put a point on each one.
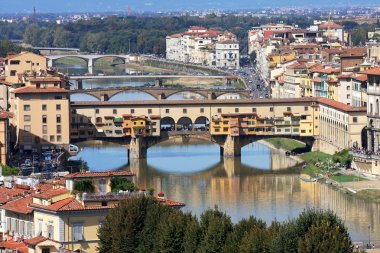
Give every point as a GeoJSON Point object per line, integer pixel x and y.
{"type": "Point", "coordinates": [102, 185]}
{"type": "Point", "coordinates": [219, 110]}
{"type": "Point", "coordinates": [26, 117]}
{"type": "Point", "coordinates": [355, 119]}
{"type": "Point", "coordinates": [39, 228]}
{"type": "Point", "coordinates": [167, 110]}
{"type": "Point", "coordinates": [288, 109]}
{"type": "Point", "coordinates": [58, 118]}
{"type": "Point", "coordinates": [59, 129]}
{"type": "Point", "coordinates": [271, 109]}
{"type": "Point", "coordinates": [26, 107]}
{"type": "Point", "coordinates": [52, 138]}
{"type": "Point", "coordinates": [58, 107]}
{"type": "Point", "coordinates": [132, 110]}
{"type": "Point", "coordinates": [184, 110]}
{"type": "Point", "coordinates": [57, 97]}
{"type": "Point", "coordinates": [149, 111]}
{"type": "Point", "coordinates": [348, 87]}
{"type": "Point", "coordinates": [202, 110]}
{"type": "Point", "coordinates": [50, 230]}
{"type": "Point", "coordinates": [306, 108]}
{"type": "Point", "coordinates": [254, 110]}
{"type": "Point", "coordinates": [13, 72]}
{"type": "Point", "coordinates": [44, 119]}
{"type": "Point", "coordinates": [77, 231]}
{"type": "Point", "coordinates": [236, 109]}
{"type": "Point", "coordinates": [96, 110]}
{"type": "Point", "coordinates": [44, 129]}
{"type": "Point", "coordinates": [59, 138]}
{"type": "Point", "coordinates": [27, 128]}
{"type": "Point", "coordinates": [44, 107]}
{"type": "Point", "coordinates": [114, 111]}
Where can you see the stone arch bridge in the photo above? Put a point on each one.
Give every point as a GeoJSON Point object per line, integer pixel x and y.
{"type": "Point", "coordinates": [159, 92]}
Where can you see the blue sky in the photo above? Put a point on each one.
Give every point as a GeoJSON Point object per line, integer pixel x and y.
{"type": "Point", "coordinates": [15, 6]}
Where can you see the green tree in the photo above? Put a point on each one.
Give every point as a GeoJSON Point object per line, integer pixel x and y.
{"type": "Point", "coordinates": [255, 241]}
{"type": "Point", "coordinates": [121, 184]}
{"type": "Point", "coordinates": [82, 186]}
{"type": "Point", "coordinates": [215, 228]}
{"type": "Point", "coordinates": [325, 237]}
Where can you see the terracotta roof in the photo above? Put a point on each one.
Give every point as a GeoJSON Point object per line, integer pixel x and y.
{"type": "Point", "coordinates": [58, 180]}
{"type": "Point", "coordinates": [12, 192]}
{"type": "Point", "coordinates": [37, 240]}
{"type": "Point", "coordinates": [20, 205]}
{"type": "Point", "coordinates": [16, 247]}
{"type": "Point", "coordinates": [100, 174]}
{"type": "Point", "coordinates": [374, 71]}
{"type": "Point", "coordinates": [29, 89]}
{"type": "Point", "coordinates": [70, 204]}
{"type": "Point", "coordinates": [362, 78]}
{"type": "Point", "coordinates": [171, 203]}
{"type": "Point", "coordinates": [330, 24]}
{"type": "Point", "coordinates": [354, 52]}
{"type": "Point", "coordinates": [341, 106]}
{"type": "Point", "coordinates": [51, 193]}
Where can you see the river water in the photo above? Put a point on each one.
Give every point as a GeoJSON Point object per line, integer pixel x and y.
{"type": "Point", "coordinates": [258, 184]}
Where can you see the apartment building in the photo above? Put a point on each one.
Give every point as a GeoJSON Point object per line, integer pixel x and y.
{"type": "Point", "coordinates": [17, 65]}
{"type": "Point", "coordinates": [41, 114]}
{"type": "Point", "coordinates": [4, 136]}
{"type": "Point", "coordinates": [210, 47]}
{"type": "Point", "coordinates": [342, 125]}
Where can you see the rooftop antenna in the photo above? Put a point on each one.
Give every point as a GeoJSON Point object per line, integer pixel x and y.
{"type": "Point", "coordinates": [34, 13]}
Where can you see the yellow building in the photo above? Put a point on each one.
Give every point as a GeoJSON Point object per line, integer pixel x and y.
{"type": "Point", "coordinates": [41, 114]}
{"type": "Point", "coordinates": [4, 136]}
{"type": "Point", "coordinates": [17, 65]}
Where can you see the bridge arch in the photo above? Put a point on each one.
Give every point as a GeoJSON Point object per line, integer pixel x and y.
{"type": "Point", "coordinates": [176, 94]}
{"type": "Point", "coordinates": [230, 95]}
{"type": "Point", "coordinates": [83, 96]}
{"type": "Point", "coordinates": [95, 59]}
{"type": "Point", "coordinates": [202, 123]}
{"type": "Point", "coordinates": [146, 95]}
{"type": "Point", "coordinates": [85, 60]}
{"type": "Point", "coordinates": [167, 124]}
{"type": "Point", "coordinates": [184, 124]}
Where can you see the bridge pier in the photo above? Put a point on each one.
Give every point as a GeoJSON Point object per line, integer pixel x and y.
{"type": "Point", "coordinates": [138, 148]}
{"type": "Point", "coordinates": [232, 146]}
{"type": "Point", "coordinates": [78, 84]}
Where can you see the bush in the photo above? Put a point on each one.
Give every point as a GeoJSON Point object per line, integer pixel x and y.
{"type": "Point", "coordinates": [121, 184]}
{"type": "Point", "coordinates": [10, 171]}
{"type": "Point", "coordinates": [84, 186]}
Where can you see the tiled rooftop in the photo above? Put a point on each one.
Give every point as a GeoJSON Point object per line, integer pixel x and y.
{"type": "Point", "coordinates": [100, 174]}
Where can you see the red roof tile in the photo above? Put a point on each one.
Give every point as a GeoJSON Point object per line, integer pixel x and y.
{"type": "Point", "coordinates": [20, 205]}
{"type": "Point", "coordinates": [51, 193]}
{"type": "Point", "coordinates": [6, 115]}
{"type": "Point", "coordinates": [330, 25]}
{"type": "Point", "coordinates": [362, 78]}
{"type": "Point", "coordinates": [341, 106]}
{"type": "Point", "coordinates": [70, 204]}
{"type": "Point", "coordinates": [17, 247]}
{"type": "Point", "coordinates": [374, 71]}
{"type": "Point", "coordinates": [30, 89]}
{"type": "Point", "coordinates": [100, 174]}
{"type": "Point", "coordinates": [36, 240]}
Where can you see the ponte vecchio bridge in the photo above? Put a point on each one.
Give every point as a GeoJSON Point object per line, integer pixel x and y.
{"type": "Point", "coordinates": [231, 124]}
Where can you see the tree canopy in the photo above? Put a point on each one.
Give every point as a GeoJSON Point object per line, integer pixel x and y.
{"type": "Point", "coordinates": [142, 224]}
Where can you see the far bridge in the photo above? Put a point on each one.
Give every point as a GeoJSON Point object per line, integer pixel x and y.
{"type": "Point", "coordinates": [161, 92]}
{"type": "Point", "coordinates": [89, 58]}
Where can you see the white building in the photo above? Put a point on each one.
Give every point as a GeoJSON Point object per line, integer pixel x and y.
{"type": "Point", "coordinates": [199, 45]}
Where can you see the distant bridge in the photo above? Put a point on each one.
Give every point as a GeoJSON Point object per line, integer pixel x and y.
{"type": "Point", "coordinates": [50, 49]}
{"type": "Point", "coordinates": [89, 58]}
{"type": "Point", "coordinates": [159, 92]}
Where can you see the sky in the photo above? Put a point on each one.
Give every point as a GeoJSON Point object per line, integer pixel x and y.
{"type": "Point", "coordinates": [22, 6]}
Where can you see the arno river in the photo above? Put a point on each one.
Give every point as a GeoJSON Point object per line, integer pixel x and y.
{"type": "Point", "coordinates": [259, 184]}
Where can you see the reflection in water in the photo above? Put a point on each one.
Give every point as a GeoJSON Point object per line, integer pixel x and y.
{"type": "Point", "coordinates": [253, 185]}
